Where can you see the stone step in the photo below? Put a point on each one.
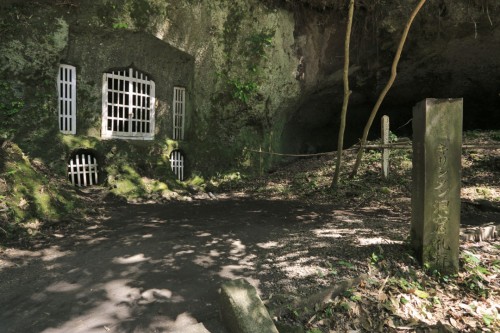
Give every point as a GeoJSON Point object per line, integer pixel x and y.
{"type": "Point", "coordinates": [242, 309]}
{"type": "Point", "coordinates": [195, 328]}
{"type": "Point", "coordinates": [485, 232]}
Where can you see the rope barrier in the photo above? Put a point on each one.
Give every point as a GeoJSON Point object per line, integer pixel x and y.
{"type": "Point", "coordinates": [290, 155]}
{"type": "Point", "coordinates": [390, 146]}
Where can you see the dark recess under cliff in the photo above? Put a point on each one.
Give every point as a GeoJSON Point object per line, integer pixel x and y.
{"type": "Point", "coordinates": [444, 57]}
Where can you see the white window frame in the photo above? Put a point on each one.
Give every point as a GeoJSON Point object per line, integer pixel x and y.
{"type": "Point", "coordinates": [128, 110]}
{"type": "Point", "coordinates": [66, 104]}
{"type": "Point", "coordinates": [179, 112]}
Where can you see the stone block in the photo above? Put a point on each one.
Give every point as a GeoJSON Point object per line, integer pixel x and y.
{"type": "Point", "coordinates": [437, 151]}
{"type": "Point", "coordinates": [242, 310]}
{"type": "Point", "coordinates": [195, 328]}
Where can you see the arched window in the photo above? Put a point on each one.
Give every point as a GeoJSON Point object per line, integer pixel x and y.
{"type": "Point", "coordinates": [128, 105]}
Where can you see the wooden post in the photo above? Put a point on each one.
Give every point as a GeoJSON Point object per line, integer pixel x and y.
{"type": "Point", "coordinates": [385, 151]}
{"type": "Point", "coordinates": [260, 161]}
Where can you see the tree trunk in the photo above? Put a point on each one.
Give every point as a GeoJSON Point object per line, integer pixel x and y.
{"type": "Point", "coordinates": [386, 89]}
{"type": "Point", "coordinates": [347, 93]}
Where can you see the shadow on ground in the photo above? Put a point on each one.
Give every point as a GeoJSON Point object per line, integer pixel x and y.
{"type": "Point", "coordinates": [157, 268]}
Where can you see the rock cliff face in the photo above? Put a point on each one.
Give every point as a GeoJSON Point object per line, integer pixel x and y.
{"type": "Point", "coordinates": [452, 51]}
{"type": "Point", "coordinates": [258, 74]}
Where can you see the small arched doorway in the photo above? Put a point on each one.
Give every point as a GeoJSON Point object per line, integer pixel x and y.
{"type": "Point", "coordinates": [177, 163]}
{"type": "Point", "coordinates": [83, 168]}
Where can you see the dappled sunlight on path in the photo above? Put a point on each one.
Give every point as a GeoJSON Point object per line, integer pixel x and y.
{"type": "Point", "coordinates": [157, 268]}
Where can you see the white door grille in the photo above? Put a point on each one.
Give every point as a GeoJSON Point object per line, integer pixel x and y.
{"type": "Point", "coordinates": [179, 112]}
{"type": "Point", "coordinates": [66, 86]}
{"type": "Point", "coordinates": [83, 170]}
{"type": "Point", "coordinates": [128, 105]}
{"type": "Point", "coordinates": [177, 164]}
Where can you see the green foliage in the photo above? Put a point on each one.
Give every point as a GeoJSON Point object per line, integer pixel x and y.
{"type": "Point", "coordinates": [34, 56]}
{"type": "Point", "coordinates": [332, 270]}
{"type": "Point", "coordinates": [345, 306]}
{"type": "Point", "coordinates": [355, 296]}
{"type": "Point", "coordinates": [314, 330]}
{"type": "Point", "coordinates": [345, 264]}
{"type": "Point", "coordinates": [31, 197]}
{"type": "Point", "coordinates": [375, 258]}
{"type": "Point", "coordinates": [231, 29]}
{"type": "Point", "coordinates": [255, 50]}
{"type": "Point", "coordinates": [305, 182]}
{"type": "Point", "coordinates": [482, 135]}
{"type": "Point", "coordinates": [10, 105]}
{"type": "Point", "coordinates": [392, 137]}
{"type": "Point", "coordinates": [476, 281]}
{"type": "Point", "coordinates": [238, 102]}
{"type": "Point", "coordinates": [147, 13]}
{"type": "Point", "coordinates": [132, 174]}
{"type": "Point", "coordinates": [406, 283]}
{"type": "Point", "coordinates": [120, 25]}
{"type": "Point", "coordinates": [119, 14]}
{"type": "Point", "coordinates": [196, 180]}
{"type": "Point", "coordinates": [246, 84]}
{"type": "Point", "coordinates": [258, 42]}
{"type": "Point", "coordinates": [443, 278]}
{"type": "Point", "coordinates": [372, 157]}
{"type": "Point", "coordinates": [489, 319]}
{"type": "Point", "coordinates": [139, 15]}
{"type": "Point", "coordinates": [243, 91]}
{"type": "Point", "coordinates": [294, 311]}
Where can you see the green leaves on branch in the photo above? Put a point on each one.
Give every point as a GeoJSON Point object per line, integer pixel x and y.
{"type": "Point", "coordinates": [243, 90]}
{"type": "Point", "coordinates": [248, 69]}
{"type": "Point", "coordinates": [258, 43]}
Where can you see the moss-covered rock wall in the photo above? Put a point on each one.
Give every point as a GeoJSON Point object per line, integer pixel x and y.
{"type": "Point", "coordinates": [260, 74]}
{"type": "Point", "coordinates": [235, 58]}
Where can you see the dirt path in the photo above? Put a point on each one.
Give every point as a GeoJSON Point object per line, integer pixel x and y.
{"type": "Point", "coordinates": [156, 268]}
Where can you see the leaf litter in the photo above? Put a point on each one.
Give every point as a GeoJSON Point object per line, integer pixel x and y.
{"type": "Point", "coordinates": [396, 294]}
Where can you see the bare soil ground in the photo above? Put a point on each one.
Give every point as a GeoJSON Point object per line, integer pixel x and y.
{"type": "Point", "coordinates": [156, 267]}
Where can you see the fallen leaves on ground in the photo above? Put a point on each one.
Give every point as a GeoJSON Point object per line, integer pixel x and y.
{"type": "Point", "coordinates": [398, 295]}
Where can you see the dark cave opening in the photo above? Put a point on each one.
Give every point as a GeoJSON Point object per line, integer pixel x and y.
{"type": "Point", "coordinates": [313, 127]}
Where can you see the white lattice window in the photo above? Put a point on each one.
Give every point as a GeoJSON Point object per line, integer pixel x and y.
{"type": "Point", "coordinates": [177, 164]}
{"type": "Point", "coordinates": [128, 105]}
{"type": "Point", "coordinates": [179, 112]}
{"type": "Point", "coordinates": [83, 170]}
{"type": "Point", "coordinates": [66, 86]}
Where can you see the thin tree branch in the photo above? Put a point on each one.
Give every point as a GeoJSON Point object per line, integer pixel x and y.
{"type": "Point", "coordinates": [387, 87]}
{"type": "Point", "coordinates": [347, 94]}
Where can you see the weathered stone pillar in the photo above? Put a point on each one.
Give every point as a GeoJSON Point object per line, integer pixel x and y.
{"type": "Point", "coordinates": [385, 151]}
{"type": "Point", "coordinates": [437, 151]}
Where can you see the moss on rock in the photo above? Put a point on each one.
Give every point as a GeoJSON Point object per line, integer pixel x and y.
{"type": "Point", "coordinates": [30, 193]}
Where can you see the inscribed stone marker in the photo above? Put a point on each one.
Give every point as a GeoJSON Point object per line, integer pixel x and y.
{"type": "Point", "coordinates": [437, 151]}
